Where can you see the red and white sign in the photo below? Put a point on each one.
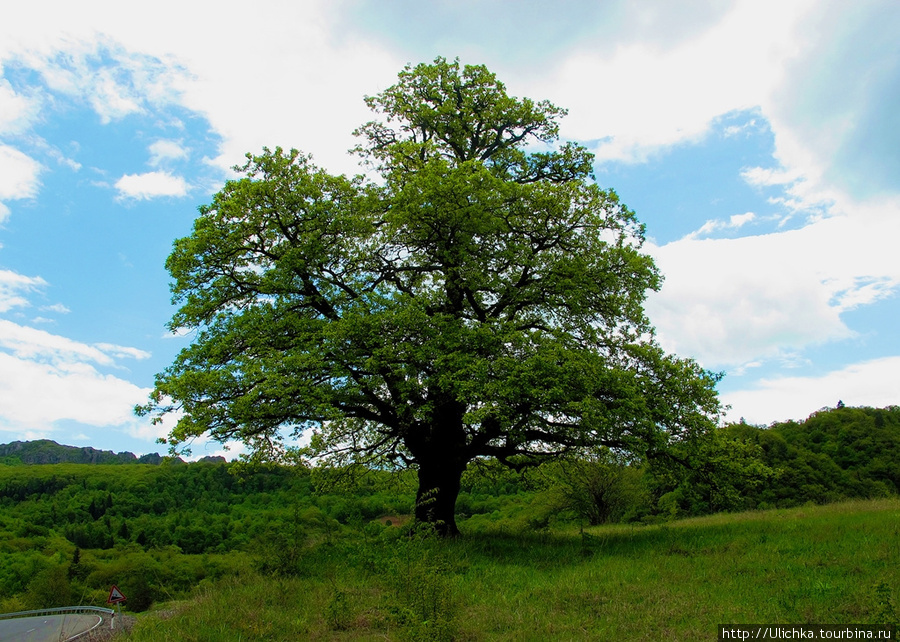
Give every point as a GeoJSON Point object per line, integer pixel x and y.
{"type": "Point", "coordinates": [115, 595]}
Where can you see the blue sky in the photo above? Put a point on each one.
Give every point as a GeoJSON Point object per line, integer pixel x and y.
{"type": "Point", "coordinates": [757, 140]}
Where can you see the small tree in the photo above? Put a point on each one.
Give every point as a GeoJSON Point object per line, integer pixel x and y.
{"type": "Point", "coordinates": [480, 299]}
{"type": "Point", "coordinates": [597, 487]}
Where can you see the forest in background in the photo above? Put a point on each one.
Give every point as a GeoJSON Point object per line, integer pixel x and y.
{"type": "Point", "coordinates": [69, 531]}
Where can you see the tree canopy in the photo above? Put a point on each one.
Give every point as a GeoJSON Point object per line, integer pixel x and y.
{"type": "Point", "coordinates": [477, 296]}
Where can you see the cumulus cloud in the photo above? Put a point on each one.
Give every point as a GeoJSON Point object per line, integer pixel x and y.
{"type": "Point", "coordinates": [871, 383]}
{"type": "Point", "coordinates": [16, 110]}
{"type": "Point", "coordinates": [821, 74]}
{"type": "Point", "coordinates": [833, 109]}
{"type": "Point", "coordinates": [111, 99]}
{"type": "Point", "coordinates": [642, 97]}
{"type": "Point", "coordinates": [54, 153]}
{"type": "Point", "coordinates": [59, 308]}
{"type": "Point", "coordinates": [166, 150]}
{"type": "Point", "coordinates": [311, 99]}
{"type": "Point", "coordinates": [18, 177]}
{"type": "Point", "coordinates": [765, 177]}
{"type": "Point", "coordinates": [180, 333]}
{"type": "Point", "coordinates": [14, 286]}
{"type": "Point", "coordinates": [80, 61]}
{"type": "Point", "coordinates": [122, 351]}
{"type": "Point", "coordinates": [46, 378]}
{"type": "Point", "coordinates": [35, 394]}
{"type": "Point", "coordinates": [18, 174]}
{"type": "Point", "coordinates": [29, 343]}
{"type": "Point", "coordinates": [726, 317]}
{"type": "Point", "coordinates": [146, 430]}
{"type": "Point", "coordinates": [208, 448]}
{"type": "Point", "coordinates": [731, 301]}
{"type": "Point", "coordinates": [735, 222]}
{"type": "Point", "coordinates": [150, 185]}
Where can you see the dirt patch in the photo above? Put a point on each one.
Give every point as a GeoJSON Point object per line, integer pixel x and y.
{"type": "Point", "coordinates": [395, 520]}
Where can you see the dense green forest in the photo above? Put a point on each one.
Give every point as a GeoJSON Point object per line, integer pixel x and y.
{"type": "Point", "coordinates": [836, 453]}
{"type": "Point", "coordinates": [69, 531]}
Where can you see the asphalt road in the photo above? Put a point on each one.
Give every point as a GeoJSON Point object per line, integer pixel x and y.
{"type": "Point", "coordinates": [46, 628]}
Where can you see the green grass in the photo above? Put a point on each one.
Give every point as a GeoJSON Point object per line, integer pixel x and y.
{"type": "Point", "coordinates": [677, 581]}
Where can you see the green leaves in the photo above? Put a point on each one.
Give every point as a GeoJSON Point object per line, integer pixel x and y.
{"type": "Point", "coordinates": [459, 114]}
{"type": "Point", "coordinates": [481, 299]}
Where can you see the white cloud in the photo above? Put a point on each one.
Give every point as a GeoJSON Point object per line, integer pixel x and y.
{"type": "Point", "coordinates": [32, 344]}
{"type": "Point", "coordinates": [18, 177]}
{"type": "Point", "coordinates": [731, 301]}
{"type": "Point", "coordinates": [13, 286]}
{"type": "Point", "coordinates": [76, 59]}
{"type": "Point", "coordinates": [36, 394]}
{"type": "Point", "coordinates": [200, 446]}
{"type": "Point", "coordinates": [151, 185]}
{"type": "Point", "coordinates": [38, 345]}
{"type": "Point", "coordinates": [871, 383]}
{"type": "Point", "coordinates": [642, 97]}
{"type": "Point", "coordinates": [833, 110]}
{"type": "Point", "coordinates": [166, 150]}
{"type": "Point", "coordinates": [208, 448]}
{"type": "Point", "coordinates": [748, 129]}
{"type": "Point", "coordinates": [735, 222]}
{"type": "Point", "coordinates": [764, 177]}
{"type": "Point", "coordinates": [823, 75]}
{"type": "Point", "coordinates": [803, 191]}
{"type": "Point", "coordinates": [62, 159]}
{"type": "Point", "coordinates": [309, 98]}
{"type": "Point", "coordinates": [16, 110]}
{"type": "Point", "coordinates": [111, 99]}
{"type": "Point", "coordinates": [146, 430]}
{"type": "Point", "coordinates": [45, 378]}
{"type": "Point", "coordinates": [641, 86]}
{"type": "Point", "coordinates": [315, 108]}
{"type": "Point", "coordinates": [122, 351]}
{"type": "Point", "coordinates": [56, 307]}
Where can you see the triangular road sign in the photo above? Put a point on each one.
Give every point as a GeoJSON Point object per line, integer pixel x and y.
{"type": "Point", "coordinates": [115, 595]}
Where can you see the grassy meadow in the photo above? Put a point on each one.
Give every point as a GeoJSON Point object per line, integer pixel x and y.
{"type": "Point", "coordinates": [836, 563]}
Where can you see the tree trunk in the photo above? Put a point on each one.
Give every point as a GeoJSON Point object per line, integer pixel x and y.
{"type": "Point", "coordinates": [440, 452]}
{"type": "Point", "coordinates": [439, 483]}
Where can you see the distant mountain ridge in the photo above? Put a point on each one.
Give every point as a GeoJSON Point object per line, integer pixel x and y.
{"type": "Point", "coordinates": [46, 451]}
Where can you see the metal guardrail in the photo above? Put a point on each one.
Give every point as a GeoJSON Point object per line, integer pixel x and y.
{"type": "Point", "coordinates": [57, 611]}
{"type": "Point", "coordinates": [98, 611]}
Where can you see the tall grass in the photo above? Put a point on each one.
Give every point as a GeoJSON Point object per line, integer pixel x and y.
{"type": "Point", "coordinates": [835, 564]}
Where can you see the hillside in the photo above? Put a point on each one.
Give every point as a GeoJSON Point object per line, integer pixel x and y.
{"type": "Point", "coordinates": [45, 451]}
{"type": "Point", "coordinates": [835, 453]}
{"type": "Point", "coordinates": [338, 536]}
{"type": "Point", "coordinates": [288, 554]}
{"type": "Point", "coordinates": [831, 565]}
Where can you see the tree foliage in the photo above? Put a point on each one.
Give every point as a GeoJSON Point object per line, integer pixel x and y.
{"type": "Point", "coordinates": [598, 488]}
{"type": "Point", "coordinates": [834, 453]}
{"type": "Point", "coordinates": [476, 299]}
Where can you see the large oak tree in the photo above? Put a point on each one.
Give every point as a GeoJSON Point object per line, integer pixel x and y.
{"type": "Point", "coordinates": [479, 297]}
